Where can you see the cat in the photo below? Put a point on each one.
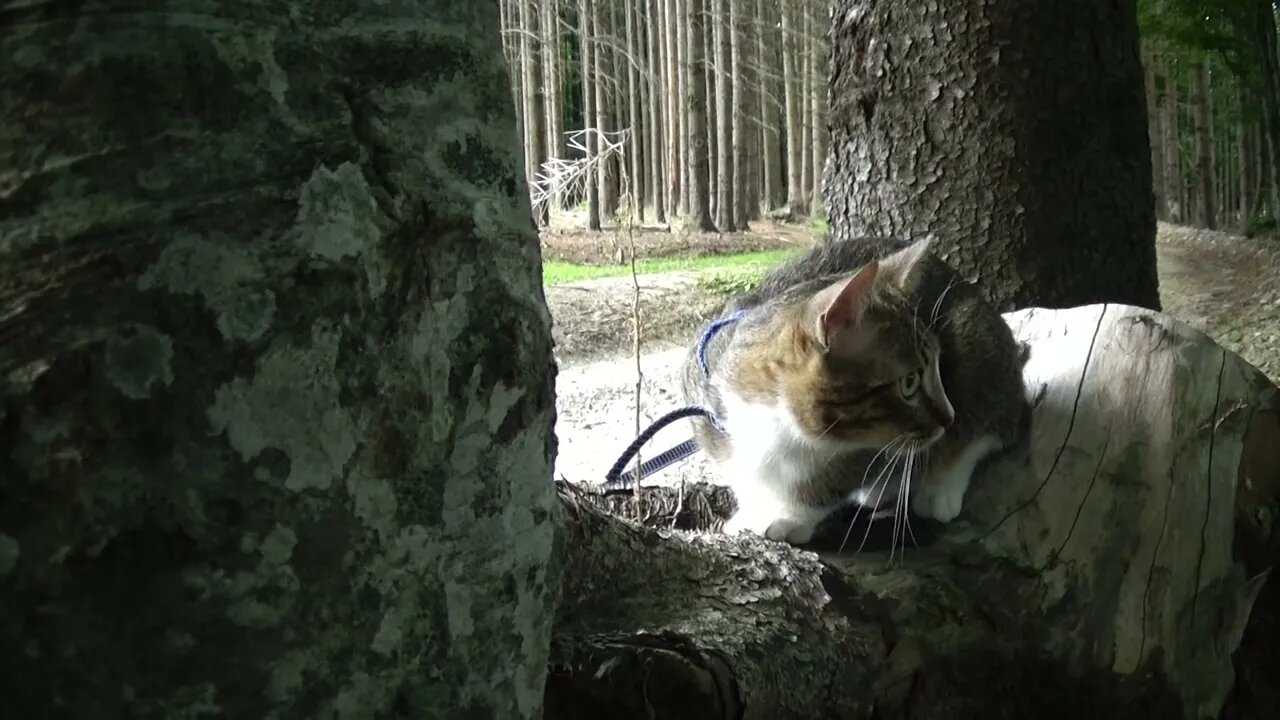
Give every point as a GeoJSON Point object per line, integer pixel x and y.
{"type": "Point", "coordinates": [838, 358]}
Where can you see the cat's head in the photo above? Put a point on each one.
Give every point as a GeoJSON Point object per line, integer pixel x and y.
{"type": "Point", "coordinates": [855, 363]}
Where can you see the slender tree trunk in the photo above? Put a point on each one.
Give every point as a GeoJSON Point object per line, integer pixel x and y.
{"type": "Point", "coordinates": [685, 76]}
{"type": "Point", "coordinates": [794, 119]}
{"type": "Point", "coordinates": [695, 112]}
{"type": "Point", "coordinates": [589, 116]}
{"type": "Point", "coordinates": [1265, 28]}
{"type": "Point", "coordinates": [1248, 168]}
{"type": "Point", "coordinates": [606, 170]}
{"type": "Point", "coordinates": [804, 48]}
{"type": "Point", "coordinates": [818, 98]}
{"type": "Point", "coordinates": [534, 99]}
{"type": "Point", "coordinates": [552, 80]}
{"type": "Point", "coordinates": [217, 502]}
{"type": "Point", "coordinates": [655, 101]}
{"type": "Point", "coordinates": [741, 79]}
{"type": "Point", "coordinates": [1174, 204]}
{"type": "Point", "coordinates": [770, 122]}
{"type": "Point", "coordinates": [725, 140]}
{"type": "Point", "coordinates": [1204, 148]}
{"type": "Point", "coordinates": [636, 146]}
{"type": "Point", "coordinates": [1155, 102]}
{"type": "Point", "coordinates": [710, 56]}
{"type": "Point", "coordinates": [1037, 225]}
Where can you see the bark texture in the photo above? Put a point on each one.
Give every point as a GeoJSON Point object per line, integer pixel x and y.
{"type": "Point", "coordinates": [275, 368]}
{"type": "Point", "coordinates": [1107, 569]}
{"type": "Point", "coordinates": [965, 121]}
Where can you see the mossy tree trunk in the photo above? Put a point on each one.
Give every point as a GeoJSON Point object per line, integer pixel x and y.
{"type": "Point", "coordinates": [275, 367]}
{"type": "Point", "coordinates": [1015, 133]}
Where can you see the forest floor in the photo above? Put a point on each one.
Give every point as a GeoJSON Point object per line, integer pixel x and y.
{"type": "Point", "coordinates": [1225, 285]}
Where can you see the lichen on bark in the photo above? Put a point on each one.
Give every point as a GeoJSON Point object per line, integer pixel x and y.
{"type": "Point", "coordinates": [276, 423]}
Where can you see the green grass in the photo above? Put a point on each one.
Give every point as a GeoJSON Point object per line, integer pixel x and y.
{"type": "Point", "coordinates": [716, 272]}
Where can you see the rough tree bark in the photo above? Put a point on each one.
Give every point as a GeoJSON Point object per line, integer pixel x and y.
{"type": "Point", "coordinates": [1108, 569]}
{"type": "Point", "coordinates": [695, 112]}
{"type": "Point", "coordinates": [276, 390]}
{"type": "Point", "coordinates": [656, 102]}
{"type": "Point", "coordinates": [963, 120]}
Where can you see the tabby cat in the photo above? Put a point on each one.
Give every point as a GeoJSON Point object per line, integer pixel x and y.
{"type": "Point", "coordinates": [838, 360]}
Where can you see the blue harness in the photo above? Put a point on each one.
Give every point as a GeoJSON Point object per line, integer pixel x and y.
{"type": "Point", "coordinates": [617, 482]}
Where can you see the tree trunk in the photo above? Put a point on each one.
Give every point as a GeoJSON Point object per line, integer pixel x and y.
{"type": "Point", "coordinates": [218, 498]}
{"type": "Point", "coordinates": [710, 56]}
{"type": "Point", "coordinates": [656, 103]}
{"type": "Point", "coordinates": [1204, 149]}
{"type": "Point", "coordinates": [725, 169]}
{"type": "Point", "coordinates": [770, 122]}
{"type": "Point", "coordinates": [606, 169]}
{"type": "Point", "coordinates": [695, 111]}
{"type": "Point", "coordinates": [635, 146]}
{"type": "Point", "coordinates": [1155, 102]}
{"type": "Point", "coordinates": [1046, 205]}
{"type": "Point", "coordinates": [586, 21]}
{"type": "Point", "coordinates": [1172, 151]}
{"type": "Point", "coordinates": [804, 45]}
{"type": "Point", "coordinates": [682, 9]}
{"type": "Point", "coordinates": [739, 82]}
{"type": "Point", "coordinates": [1107, 571]}
{"type": "Point", "coordinates": [1248, 168]}
{"type": "Point", "coordinates": [793, 98]}
{"type": "Point", "coordinates": [817, 71]}
{"type": "Point", "coordinates": [1265, 28]}
{"type": "Point", "coordinates": [534, 99]}
{"type": "Point", "coordinates": [552, 74]}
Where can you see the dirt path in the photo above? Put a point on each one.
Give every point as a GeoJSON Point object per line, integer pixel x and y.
{"type": "Point", "coordinates": [1226, 286]}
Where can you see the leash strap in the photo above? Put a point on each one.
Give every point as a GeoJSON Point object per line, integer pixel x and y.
{"type": "Point", "coordinates": [615, 481]}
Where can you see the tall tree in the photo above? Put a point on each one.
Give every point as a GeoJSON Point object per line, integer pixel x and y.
{"type": "Point", "coordinates": [656, 102]}
{"type": "Point", "coordinates": [1150, 64]}
{"type": "Point", "coordinates": [635, 127]}
{"type": "Point", "coordinates": [794, 100]}
{"type": "Point", "coordinates": [587, 42]}
{"type": "Point", "coordinates": [695, 111]}
{"type": "Point", "coordinates": [682, 9]}
{"type": "Point", "coordinates": [1043, 204]}
{"type": "Point", "coordinates": [1176, 207]}
{"type": "Point", "coordinates": [603, 38]}
{"type": "Point", "coordinates": [740, 81]}
{"type": "Point", "coordinates": [272, 444]}
{"type": "Point", "coordinates": [534, 97]}
{"type": "Point", "coordinates": [818, 106]}
{"type": "Point", "coordinates": [552, 80]}
{"type": "Point", "coordinates": [1204, 148]}
{"type": "Point", "coordinates": [770, 122]}
{"type": "Point", "coordinates": [725, 152]}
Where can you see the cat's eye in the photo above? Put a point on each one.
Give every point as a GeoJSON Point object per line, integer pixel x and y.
{"type": "Point", "coordinates": [909, 385]}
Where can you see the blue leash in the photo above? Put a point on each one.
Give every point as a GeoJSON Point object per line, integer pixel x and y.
{"type": "Point", "coordinates": [615, 481]}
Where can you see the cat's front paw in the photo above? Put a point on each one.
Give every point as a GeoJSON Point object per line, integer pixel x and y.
{"type": "Point", "coordinates": [790, 530]}
{"type": "Point", "coordinates": [745, 523]}
{"type": "Point", "coordinates": [942, 504]}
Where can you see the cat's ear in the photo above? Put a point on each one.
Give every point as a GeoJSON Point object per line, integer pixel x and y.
{"type": "Point", "coordinates": [840, 306]}
{"type": "Point", "coordinates": [902, 264]}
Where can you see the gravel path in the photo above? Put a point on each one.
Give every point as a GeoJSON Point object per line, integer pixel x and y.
{"type": "Point", "coordinates": [1226, 286]}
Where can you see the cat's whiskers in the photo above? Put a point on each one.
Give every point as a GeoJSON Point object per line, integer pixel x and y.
{"type": "Point", "coordinates": [863, 484]}
{"type": "Point", "coordinates": [884, 476]}
{"type": "Point", "coordinates": [903, 506]}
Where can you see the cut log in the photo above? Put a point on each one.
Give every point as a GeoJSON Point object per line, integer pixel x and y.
{"type": "Point", "coordinates": [1108, 568]}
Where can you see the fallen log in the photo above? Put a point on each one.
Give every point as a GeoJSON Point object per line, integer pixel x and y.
{"type": "Point", "coordinates": [1106, 569]}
